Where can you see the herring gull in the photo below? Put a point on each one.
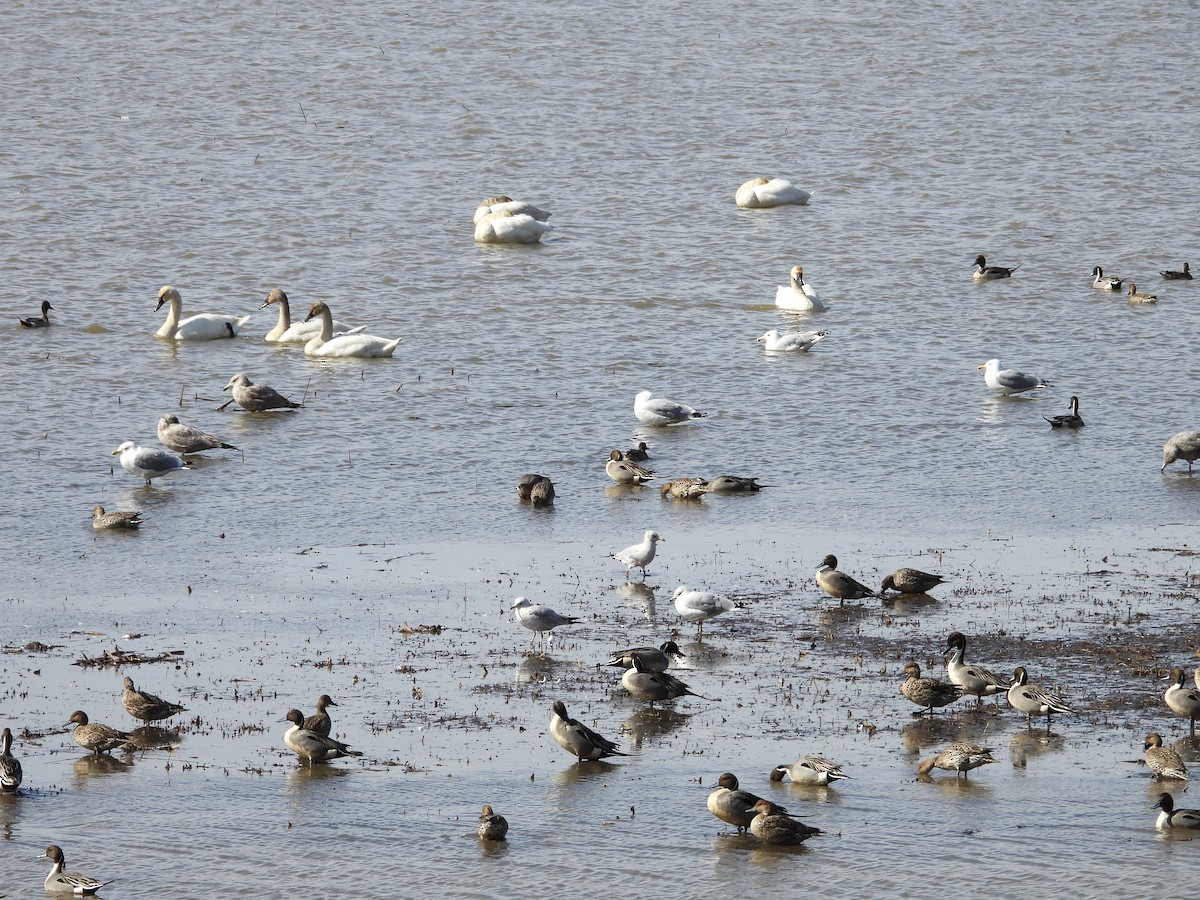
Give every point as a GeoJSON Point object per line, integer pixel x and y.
{"type": "Point", "coordinates": [256, 397]}
{"type": "Point", "coordinates": [1009, 381]}
{"type": "Point", "coordinates": [147, 462]}
{"type": "Point", "coordinates": [651, 410]}
{"type": "Point", "coordinates": [699, 606]}
{"type": "Point", "coordinates": [1185, 445]}
{"type": "Point", "coordinates": [186, 439]}
{"type": "Point", "coordinates": [775, 341]}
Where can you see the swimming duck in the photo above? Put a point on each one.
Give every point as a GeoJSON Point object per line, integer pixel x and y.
{"type": "Point", "coordinates": [972, 679]}
{"type": "Point", "coordinates": [1163, 762]}
{"type": "Point", "coordinates": [1170, 275]}
{"type": "Point", "coordinates": [638, 453]}
{"type": "Point", "coordinates": [911, 581]}
{"type": "Point", "coordinates": [257, 397]}
{"type": "Point", "coordinates": [798, 295]}
{"type": "Point", "coordinates": [200, 327]}
{"type": "Point", "coordinates": [505, 227]}
{"type": "Point", "coordinates": [651, 410]}
{"type": "Point", "coordinates": [733, 484]}
{"type": "Point", "coordinates": [1183, 700]}
{"type": "Point", "coordinates": [810, 770]}
{"type": "Point", "coordinates": [287, 332]}
{"type": "Point", "coordinates": [1185, 445]}
{"type": "Point", "coordinates": [326, 345]}
{"type": "Point", "coordinates": [147, 462]}
{"type": "Point", "coordinates": [1009, 381]}
{"type": "Point", "coordinates": [43, 321]}
{"type": "Point", "coordinates": [542, 494]}
{"type": "Point", "coordinates": [1170, 817]}
{"type": "Point", "coordinates": [653, 659]}
{"type": "Point", "coordinates": [185, 439]}
{"type": "Point", "coordinates": [1103, 282]}
{"type": "Point", "coordinates": [310, 746]}
{"type": "Point", "coordinates": [60, 882]}
{"type": "Point", "coordinates": [622, 471]}
{"type": "Point", "coordinates": [773, 826]}
{"type": "Point", "coordinates": [650, 686]}
{"type": "Point", "coordinates": [927, 692]}
{"type": "Point", "coordinates": [732, 805]}
{"type": "Point", "coordinates": [494, 205]}
{"type": "Point", "coordinates": [1135, 297]}
{"type": "Point", "coordinates": [577, 739]}
{"type": "Point", "coordinates": [984, 272]}
{"type": "Point", "coordinates": [492, 825]}
{"type": "Point", "coordinates": [320, 723]}
{"type": "Point", "coordinates": [839, 584]}
{"type": "Point", "coordinates": [96, 737]}
{"type": "Point", "coordinates": [684, 489]}
{"type": "Point", "coordinates": [699, 606]}
{"type": "Point", "coordinates": [1031, 699]}
{"type": "Point", "coordinates": [959, 758]}
{"type": "Point", "coordinates": [120, 519]}
{"type": "Point", "coordinates": [640, 555]}
{"type": "Point", "coordinates": [1067, 420]}
{"type": "Point", "coordinates": [10, 766]}
{"type": "Point", "coordinates": [525, 486]}
{"type": "Point", "coordinates": [762, 193]}
{"type": "Point", "coordinates": [145, 706]}
{"type": "Point", "coordinates": [775, 341]}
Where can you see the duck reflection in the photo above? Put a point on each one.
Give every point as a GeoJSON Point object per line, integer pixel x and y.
{"type": "Point", "coordinates": [151, 737]}
{"type": "Point", "coordinates": [923, 733]}
{"type": "Point", "coordinates": [909, 604]}
{"type": "Point", "coordinates": [493, 849]}
{"type": "Point", "coordinates": [1025, 744]}
{"type": "Point", "coordinates": [92, 766]}
{"type": "Point", "coordinates": [300, 778]}
{"type": "Point", "coordinates": [646, 725]}
{"type": "Point", "coordinates": [640, 596]}
{"type": "Point", "coordinates": [538, 669]}
{"type": "Point", "coordinates": [584, 771]}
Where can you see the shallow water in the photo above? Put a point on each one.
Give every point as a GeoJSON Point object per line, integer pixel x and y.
{"type": "Point", "coordinates": [338, 151]}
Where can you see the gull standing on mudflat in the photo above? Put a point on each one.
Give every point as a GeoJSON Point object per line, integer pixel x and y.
{"type": "Point", "coordinates": [147, 462]}
{"type": "Point", "coordinates": [1009, 381]}
{"type": "Point", "coordinates": [911, 581]}
{"type": "Point", "coordinates": [1071, 419]}
{"type": "Point", "coordinates": [798, 295]}
{"type": "Point", "coordinates": [42, 321]}
{"type": "Point", "coordinates": [200, 327]}
{"type": "Point", "coordinates": [972, 679]}
{"type": "Point", "coordinates": [185, 439]}
{"type": "Point", "coordinates": [699, 606]}
{"type": "Point", "coordinates": [622, 471]}
{"type": "Point", "coordinates": [651, 410]}
{"type": "Point", "coordinates": [539, 619]}
{"type": "Point", "coordinates": [1185, 445]}
{"type": "Point", "coordinates": [775, 341]}
{"type": "Point", "coordinates": [639, 555]}
{"type": "Point", "coordinates": [577, 739]}
{"type": "Point", "coordinates": [927, 692]}
{"type": "Point", "coordinates": [1033, 700]}
{"type": "Point", "coordinates": [120, 519]}
{"type": "Point", "coordinates": [310, 746]}
{"type": "Point", "coordinates": [1183, 700]}
{"type": "Point", "coordinates": [984, 272]}
{"type": "Point", "coordinates": [810, 770]}
{"type": "Point", "coordinates": [1163, 762]}
{"type": "Point", "coordinates": [839, 584]}
{"type": "Point", "coordinates": [256, 397]}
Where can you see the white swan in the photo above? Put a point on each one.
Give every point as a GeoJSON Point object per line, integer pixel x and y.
{"type": "Point", "coordinates": [759, 193]}
{"type": "Point", "coordinates": [796, 341]}
{"type": "Point", "coordinates": [509, 228]}
{"type": "Point", "coordinates": [347, 345]}
{"type": "Point", "coordinates": [799, 295]}
{"type": "Point", "coordinates": [287, 332]}
{"type": "Point", "coordinates": [201, 327]}
{"type": "Point", "coordinates": [508, 204]}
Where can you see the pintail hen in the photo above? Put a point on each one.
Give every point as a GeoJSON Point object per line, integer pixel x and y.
{"type": "Point", "coordinates": [60, 882]}
{"type": "Point", "coordinates": [492, 825]}
{"type": "Point", "coordinates": [640, 555]}
{"type": "Point", "coordinates": [327, 345]}
{"type": "Point", "coordinates": [42, 321]}
{"type": "Point", "coordinates": [310, 746]}
{"type": "Point", "coordinates": [1071, 419]}
{"type": "Point", "coordinates": [798, 295]}
{"type": "Point", "coordinates": [1009, 381]}
{"type": "Point", "coordinates": [984, 272]}
{"type": "Point", "coordinates": [200, 327]}
{"type": "Point", "coordinates": [684, 489]}
{"type": "Point", "coordinates": [699, 606]}
{"type": "Point", "coordinates": [959, 758]}
{"type": "Point", "coordinates": [776, 341]}
{"type": "Point", "coordinates": [577, 739]}
{"type": "Point", "coordinates": [1103, 282]}
{"type": "Point", "coordinates": [1178, 275]}
{"type": "Point", "coordinates": [653, 659]}
{"type": "Point", "coordinates": [1136, 296]}
{"type": "Point", "coordinates": [839, 584]}
{"type": "Point", "coordinates": [773, 826]}
{"type": "Point", "coordinates": [1163, 762]}
{"type": "Point", "coordinates": [1185, 445]}
{"type": "Point", "coordinates": [911, 581]}
{"type": "Point", "coordinates": [146, 706]}
{"type": "Point", "coordinates": [96, 737]}
{"type": "Point", "coordinates": [10, 766]}
{"type": "Point", "coordinates": [505, 204]}
{"type": "Point", "coordinates": [535, 489]}
{"type": "Point", "coordinates": [128, 519]}
{"type": "Point", "coordinates": [622, 471]}
{"type": "Point", "coordinates": [538, 618]}
{"type": "Point", "coordinates": [651, 410]}
{"type": "Point", "coordinates": [733, 484]}
{"type": "Point", "coordinates": [810, 770]}
{"type": "Point", "coordinates": [288, 332]}
{"type": "Point", "coordinates": [732, 805]}
{"type": "Point", "coordinates": [1170, 817]}
{"type": "Point", "coordinates": [1183, 700]}
{"type": "Point", "coordinates": [762, 193]}
{"type": "Point", "coordinates": [927, 692]}
{"type": "Point", "coordinates": [147, 462]}
{"type": "Point", "coordinates": [1033, 700]}
{"type": "Point", "coordinates": [321, 723]}
{"type": "Point", "coordinates": [181, 438]}
{"type": "Point", "coordinates": [974, 680]}
{"type": "Point", "coordinates": [654, 686]}
{"type": "Point", "coordinates": [256, 397]}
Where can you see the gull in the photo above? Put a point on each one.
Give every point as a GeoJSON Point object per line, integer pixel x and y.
{"type": "Point", "coordinates": [984, 272]}
{"type": "Point", "coordinates": [1031, 699]}
{"type": "Point", "coordinates": [959, 758]}
{"type": "Point", "coordinates": [1009, 381]}
{"type": "Point", "coordinates": [1172, 275]}
{"type": "Point", "coordinates": [127, 519]}
{"type": "Point", "coordinates": [310, 746]}
{"type": "Point", "coordinates": [42, 321]}
{"type": "Point", "coordinates": [577, 739]}
{"type": "Point", "coordinates": [1185, 445]}
{"type": "Point", "coordinates": [186, 439]}
{"type": "Point", "coordinates": [775, 341]}
{"type": "Point", "coordinates": [256, 397]}
{"type": "Point", "coordinates": [1136, 297]}
{"type": "Point", "coordinates": [911, 581]}
{"type": "Point", "coordinates": [699, 606]}
{"type": "Point", "coordinates": [761, 193]}
{"type": "Point", "coordinates": [639, 555]}
{"type": "Point", "coordinates": [798, 295]}
{"type": "Point", "coordinates": [1071, 419]}
{"type": "Point", "coordinates": [147, 462]}
{"type": "Point", "coordinates": [651, 410]}
{"type": "Point", "coordinates": [839, 584]}
{"type": "Point", "coordinates": [538, 618]}
{"type": "Point", "coordinates": [622, 471]}
{"type": "Point", "coordinates": [1103, 282]}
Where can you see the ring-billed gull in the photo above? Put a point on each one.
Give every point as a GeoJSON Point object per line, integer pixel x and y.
{"type": "Point", "coordinates": [761, 193]}
{"type": "Point", "coordinates": [321, 722]}
{"type": "Point", "coordinates": [810, 770]}
{"type": "Point", "coordinates": [538, 618]}
{"type": "Point", "coordinates": [42, 321]}
{"type": "Point", "coordinates": [839, 584]}
{"type": "Point", "coordinates": [1170, 817]}
{"type": "Point", "coordinates": [288, 332]}
{"type": "Point", "coordinates": [911, 581]}
{"type": "Point", "coordinates": [653, 659]}
{"type": "Point", "coordinates": [773, 826]}
{"type": "Point", "coordinates": [1182, 699]}
{"type": "Point", "coordinates": [186, 439]}
{"type": "Point", "coordinates": [326, 345]}
{"type": "Point", "coordinates": [503, 204]}
{"type": "Point", "coordinates": [684, 489]}
{"type": "Point", "coordinates": [733, 484]}
{"type": "Point", "coordinates": [200, 327]}
{"type": "Point", "coordinates": [1135, 296]}
{"type": "Point", "coordinates": [1009, 381]}
{"type": "Point", "coordinates": [1033, 700]}
{"type": "Point", "coordinates": [975, 680]}
{"type": "Point", "coordinates": [1163, 762]}
{"type": "Point", "coordinates": [61, 882]}
{"type": "Point", "coordinates": [1067, 420]}
{"type": "Point", "coordinates": [256, 397]}
{"type": "Point", "coordinates": [577, 739]}
{"type": "Point", "coordinates": [640, 555]}
{"type": "Point", "coordinates": [984, 272]}
{"type": "Point", "coordinates": [1172, 275]}
{"type": "Point", "coordinates": [699, 606]}
{"type": "Point", "coordinates": [1185, 445]}
{"type": "Point", "coordinates": [128, 519]}
{"type": "Point", "coordinates": [927, 692]}
{"type": "Point", "coordinates": [146, 706]}
{"type": "Point", "coordinates": [310, 746]}
{"type": "Point", "coordinates": [776, 341]}
{"type": "Point", "coordinates": [732, 805]}
{"type": "Point", "coordinates": [651, 410]}
{"type": "Point", "coordinates": [798, 295]}
{"type": "Point", "coordinates": [147, 462]}
{"type": "Point", "coordinates": [1103, 282]}
{"type": "Point", "coordinates": [622, 471]}
{"type": "Point", "coordinates": [959, 758]}
{"type": "Point", "coordinates": [492, 826]}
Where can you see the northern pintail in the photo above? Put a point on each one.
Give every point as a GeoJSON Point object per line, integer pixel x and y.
{"type": "Point", "coordinates": [127, 519]}
{"type": "Point", "coordinates": [257, 397]}
{"type": "Point", "coordinates": [327, 345]}
{"type": "Point", "coordinates": [639, 453]}
{"type": "Point", "coordinates": [1067, 420]}
{"type": "Point", "coordinates": [493, 205]}
{"type": "Point", "coordinates": [321, 723]}
{"type": "Point", "coordinates": [1033, 700]}
{"type": "Point", "coordinates": [640, 555]}
{"type": "Point", "coordinates": [181, 438]}
{"type": "Point", "coordinates": [653, 659]}
{"type": "Point", "coordinates": [776, 341]}
{"type": "Point", "coordinates": [148, 462]}
{"type": "Point", "coordinates": [95, 736]}
{"type": "Point", "coordinates": [535, 489]}
{"type": "Point", "coordinates": [684, 489]}
{"type": "Point", "coordinates": [1185, 445]}
{"type": "Point", "coordinates": [60, 882]}
{"type": "Point", "coordinates": [699, 606]}
{"type": "Point", "coordinates": [974, 680]}
{"type": "Point", "coordinates": [10, 766]}
{"type": "Point", "coordinates": [577, 739]}
{"type": "Point", "coordinates": [733, 484]}
{"type": "Point", "coordinates": [288, 332]}
{"type": "Point", "coordinates": [1009, 381]}
{"type": "Point", "coordinates": [1163, 762]}
{"type": "Point", "coordinates": [984, 272]}
{"type": "Point", "coordinates": [622, 471]}
{"type": "Point", "coordinates": [772, 825]}
{"type": "Point", "coordinates": [839, 584]}
{"type": "Point", "coordinates": [146, 706]}
{"type": "Point", "coordinates": [798, 295]}
{"type": "Point", "coordinates": [651, 410]}
{"type": "Point", "coordinates": [1182, 699]}
{"type": "Point", "coordinates": [911, 581]}
{"type": "Point", "coordinates": [1103, 282]}
{"type": "Point", "coordinates": [1182, 275]}
{"type": "Point", "coordinates": [492, 825]}
{"type": "Point", "coordinates": [927, 692]}
{"type": "Point", "coordinates": [762, 193]}
{"type": "Point", "coordinates": [200, 327]}
{"type": "Point", "coordinates": [310, 746]}
{"type": "Point", "coordinates": [654, 686]}
{"type": "Point", "coordinates": [732, 805]}
{"type": "Point", "coordinates": [810, 770]}
{"type": "Point", "coordinates": [1136, 296]}
{"type": "Point", "coordinates": [525, 485]}
{"type": "Point", "coordinates": [1170, 817]}
{"type": "Point", "coordinates": [41, 321]}
{"type": "Point", "coordinates": [959, 758]}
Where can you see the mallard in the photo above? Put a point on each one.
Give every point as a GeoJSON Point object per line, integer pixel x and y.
{"type": "Point", "coordinates": [959, 758]}
{"type": "Point", "coordinates": [492, 826]}
{"type": "Point", "coordinates": [310, 746]}
{"type": "Point", "coordinates": [145, 706]}
{"type": "Point", "coordinates": [577, 739]}
{"type": "Point", "coordinates": [810, 770]}
{"type": "Point", "coordinates": [1033, 700]}
{"type": "Point", "coordinates": [839, 584]}
{"type": "Point", "coordinates": [927, 692]}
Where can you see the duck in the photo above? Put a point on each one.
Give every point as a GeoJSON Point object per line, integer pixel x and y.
{"type": "Point", "coordinates": [96, 737]}
{"type": "Point", "coordinates": [200, 327]}
{"type": "Point", "coordinates": [492, 825]}
{"type": "Point", "coordinates": [974, 680]}
{"type": "Point", "coordinates": [577, 739]}
{"type": "Point", "coordinates": [525, 486]}
{"type": "Point", "coordinates": [732, 805]}
{"type": "Point", "coordinates": [684, 489]}
{"type": "Point", "coordinates": [146, 706]}
{"type": "Point", "coordinates": [771, 825]}
{"type": "Point", "coordinates": [121, 519]}
{"type": "Point", "coordinates": [638, 556]}
{"type": "Point", "coordinates": [1185, 445]}
{"type": "Point", "coordinates": [1170, 817]}
{"type": "Point", "coordinates": [959, 758]}
{"type": "Point", "coordinates": [911, 581]}
{"type": "Point", "coordinates": [506, 227]}
{"type": "Point", "coordinates": [1009, 381]}
{"type": "Point", "coordinates": [1163, 762]}
{"type": "Point", "coordinates": [43, 321]}
{"type": "Point", "coordinates": [311, 747]}
{"type": "Point", "coordinates": [775, 341]}
{"type": "Point", "coordinates": [1031, 699]}
{"type": "Point", "coordinates": [651, 687]}
{"type": "Point", "coordinates": [810, 770]}
{"type": "Point", "coordinates": [257, 397]}
{"type": "Point", "coordinates": [927, 692]}
{"type": "Point", "coordinates": [699, 606]}
{"type": "Point", "coordinates": [542, 494]}
{"type": "Point", "coordinates": [60, 882]}
{"type": "Point", "coordinates": [148, 462]}
{"type": "Point", "coordinates": [1136, 297]}
{"type": "Point", "coordinates": [185, 439]}
{"type": "Point", "coordinates": [984, 272]}
{"type": "Point", "coordinates": [538, 618]}
{"type": "Point", "coordinates": [651, 410]}
{"type": "Point", "coordinates": [1071, 419]}
{"type": "Point", "coordinates": [1182, 700]}
{"type": "Point", "coordinates": [10, 766]}
{"type": "Point", "coordinates": [638, 454]}
{"type": "Point", "coordinates": [839, 584]}
{"type": "Point", "coordinates": [493, 205]}
{"type": "Point", "coordinates": [652, 659]}
{"type": "Point", "coordinates": [798, 295]}
{"type": "Point", "coordinates": [762, 193]}
{"type": "Point", "coordinates": [320, 723]}
{"type": "Point", "coordinates": [287, 332]}
{"type": "Point", "coordinates": [1171, 275]}
{"type": "Point", "coordinates": [733, 484]}
{"type": "Point", "coordinates": [1103, 282]}
{"type": "Point", "coordinates": [622, 471]}
{"type": "Point", "coordinates": [326, 345]}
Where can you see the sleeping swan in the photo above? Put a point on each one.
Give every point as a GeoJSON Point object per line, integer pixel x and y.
{"type": "Point", "coordinates": [509, 228]}
{"type": "Point", "coordinates": [508, 204]}
{"type": "Point", "coordinates": [759, 193]}
{"type": "Point", "coordinates": [346, 345]}
{"type": "Point", "coordinates": [798, 296]}
{"type": "Point", "coordinates": [202, 327]}
{"type": "Point", "coordinates": [285, 332]}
